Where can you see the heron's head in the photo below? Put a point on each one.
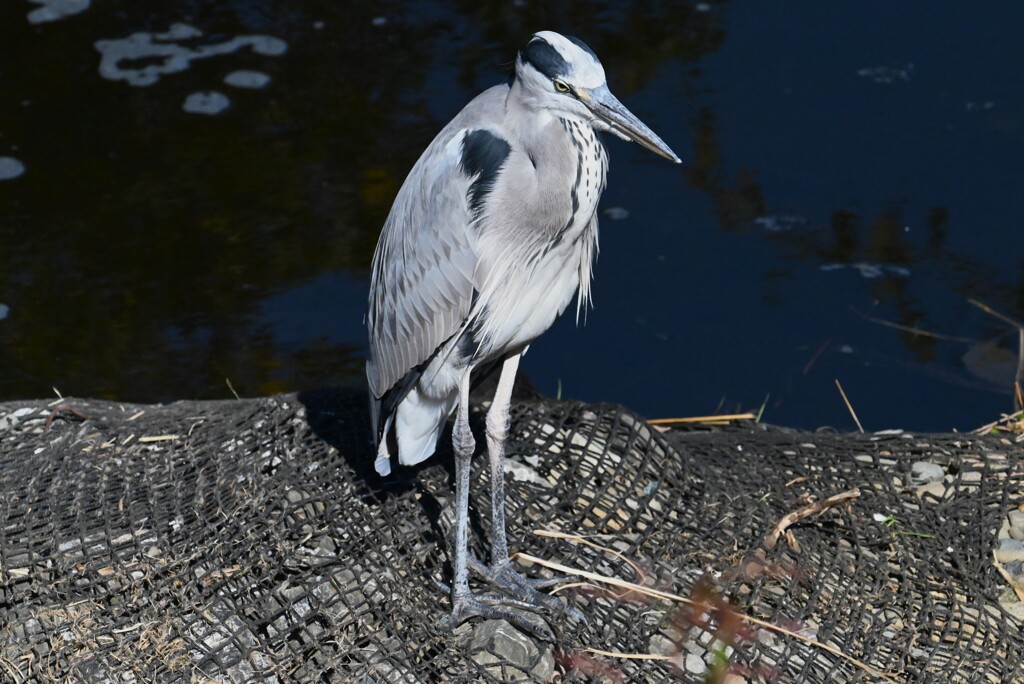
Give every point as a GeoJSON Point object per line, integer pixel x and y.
{"type": "Point", "coordinates": [561, 74]}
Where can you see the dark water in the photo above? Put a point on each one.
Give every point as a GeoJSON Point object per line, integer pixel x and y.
{"type": "Point", "coordinates": [847, 165]}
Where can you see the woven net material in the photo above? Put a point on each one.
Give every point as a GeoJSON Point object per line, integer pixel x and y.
{"type": "Point", "coordinates": [250, 541]}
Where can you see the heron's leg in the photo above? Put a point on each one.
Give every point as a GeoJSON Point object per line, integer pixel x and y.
{"type": "Point", "coordinates": [497, 430]}
{"type": "Point", "coordinates": [501, 572]}
{"type": "Point", "coordinates": [464, 445]}
{"type": "Point", "coordinates": [464, 603]}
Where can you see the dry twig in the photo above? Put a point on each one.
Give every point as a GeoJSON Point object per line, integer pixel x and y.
{"type": "Point", "coordinates": [702, 419]}
{"type": "Point", "coordinates": [807, 511]}
{"type": "Point", "coordinates": [912, 330]}
{"type": "Point", "coordinates": [1017, 588]}
{"type": "Point", "coordinates": [849, 406]}
{"type": "Point", "coordinates": [667, 596]}
{"type": "Point", "coordinates": [60, 410]}
{"type": "Point", "coordinates": [581, 539]}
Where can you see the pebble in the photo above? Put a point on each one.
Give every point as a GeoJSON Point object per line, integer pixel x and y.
{"type": "Point", "coordinates": [1015, 608]}
{"type": "Point", "coordinates": [523, 473]}
{"type": "Point", "coordinates": [1015, 519]}
{"type": "Point", "coordinates": [662, 645]}
{"type": "Point", "coordinates": [496, 642]}
{"type": "Point", "coordinates": [695, 664]}
{"type": "Point", "coordinates": [1011, 554]}
{"type": "Point", "coordinates": [936, 488]}
{"type": "Point", "coordinates": [923, 472]}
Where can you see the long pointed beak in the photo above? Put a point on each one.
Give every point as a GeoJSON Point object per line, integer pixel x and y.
{"type": "Point", "coordinates": [620, 121]}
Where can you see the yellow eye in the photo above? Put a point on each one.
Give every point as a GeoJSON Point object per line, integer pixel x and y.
{"type": "Point", "coordinates": [561, 87]}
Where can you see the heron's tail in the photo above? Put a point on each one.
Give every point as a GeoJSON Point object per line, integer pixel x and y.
{"type": "Point", "coordinates": [418, 422]}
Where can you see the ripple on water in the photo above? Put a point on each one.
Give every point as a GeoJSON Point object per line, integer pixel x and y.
{"type": "Point", "coordinates": [10, 168]}
{"type": "Point", "coordinates": [209, 102]}
{"type": "Point", "coordinates": [52, 10]}
{"type": "Point", "coordinates": [121, 56]}
{"type": "Point", "coordinates": [247, 79]}
{"type": "Point", "coordinates": [870, 270]}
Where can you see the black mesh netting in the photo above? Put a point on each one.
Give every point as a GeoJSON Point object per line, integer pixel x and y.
{"type": "Point", "coordinates": [250, 541]}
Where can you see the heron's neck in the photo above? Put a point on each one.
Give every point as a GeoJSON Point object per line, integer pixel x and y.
{"type": "Point", "coordinates": [532, 125]}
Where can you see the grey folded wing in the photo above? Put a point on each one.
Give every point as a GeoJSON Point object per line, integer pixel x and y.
{"type": "Point", "coordinates": [422, 285]}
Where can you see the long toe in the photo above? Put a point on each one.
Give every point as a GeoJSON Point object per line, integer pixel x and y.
{"type": "Point", "coordinates": [491, 607]}
{"type": "Point", "coordinates": [525, 589]}
{"type": "Point", "coordinates": [488, 572]}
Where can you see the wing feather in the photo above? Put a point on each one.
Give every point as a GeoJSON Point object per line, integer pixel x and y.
{"type": "Point", "coordinates": [422, 284]}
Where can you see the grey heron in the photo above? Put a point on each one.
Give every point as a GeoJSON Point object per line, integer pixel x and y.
{"type": "Point", "coordinates": [490, 236]}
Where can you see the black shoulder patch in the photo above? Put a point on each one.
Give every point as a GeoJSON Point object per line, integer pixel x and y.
{"type": "Point", "coordinates": [582, 46]}
{"type": "Point", "coordinates": [545, 58]}
{"type": "Point", "coordinates": [483, 153]}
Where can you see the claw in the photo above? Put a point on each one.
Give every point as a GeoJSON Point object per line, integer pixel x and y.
{"type": "Point", "coordinates": [525, 589]}
{"type": "Point", "coordinates": [491, 607]}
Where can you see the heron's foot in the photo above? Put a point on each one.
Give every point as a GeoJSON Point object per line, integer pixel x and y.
{"type": "Point", "coordinates": [496, 607]}
{"type": "Point", "coordinates": [488, 572]}
{"type": "Point", "coordinates": [525, 589]}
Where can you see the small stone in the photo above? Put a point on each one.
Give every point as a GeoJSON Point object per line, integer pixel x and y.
{"type": "Point", "coordinates": [544, 670]}
{"type": "Point", "coordinates": [695, 664]}
{"type": "Point", "coordinates": [662, 645]}
{"type": "Point", "coordinates": [923, 472]}
{"type": "Point", "coordinates": [1010, 555]}
{"type": "Point", "coordinates": [1016, 519]}
{"type": "Point", "coordinates": [497, 641]}
{"type": "Point", "coordinates": [936, 489]}
{"type": "Point", "coordinates": [523, 473]}
{"type": "Point", "coordinates": [1015, 608]}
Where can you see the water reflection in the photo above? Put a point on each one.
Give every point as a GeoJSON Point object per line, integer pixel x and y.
{"type": "Point", "coordinates": [138, 253]}
{"type": "Point", "coordinates": [881, 250]}
{"type": "Point", "coordinates": [144, 58]}
{"type": "Point", "coordinates": [147, 253]}
{"type": "Point", "coordinates": [53, 10]}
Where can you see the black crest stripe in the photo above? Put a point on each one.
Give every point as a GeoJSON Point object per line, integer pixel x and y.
{"type": "Point", "coordinates": [545, 58]}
